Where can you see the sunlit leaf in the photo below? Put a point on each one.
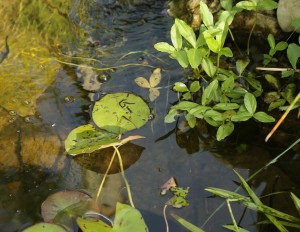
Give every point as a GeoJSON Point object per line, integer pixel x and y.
{"type": "Point", "coordinates": [45, 227]}
{"type": "Point", "coordinates": [282, 45]}
{"type": "Point", "coordinates": [120, 112]}
{"type": "Point", "coordinates": [225, 130]}
{"type": "Point", "coordinates": [128, 219]}
{"type": "Point", "coordinates": [228, 84]}
{"type": "Point", "coordinates": [181, 57]}
{"type": "Point", "coordinates": [170, 117]}
{"type": "Point", "coordinates": [247, 5]}
{"type": "Point", "coordinates": [86, 139]}
{"type": "Point", "coordinates": [186, 31]}
{"type": "Point", "coordinates": [185, 105]}
{"type": "Point", "coordinates": [267, 5]}
{"type": "Point", "coordinates": [226, 52]}
{"type": "Point", "coordinates": [209, 67]}
{"type": "Point", "coordinates": [263, 117]}
{"type": "Point", "coordinates": [226, 106]}
{"type": "Point", "coordinates": [180, 87]}
{"type": "Point", "coordinates": [195, 56]}
{"type": "Point", "coordinates": [209, 92]}
{"type": "Point", "coordinates": [164, 47]}
{"type": "Point", "coordinates": [176, 37]}
{"type": "Point", "coordinates": [212, 43]}
{"type": "Point", "coordinates": [93, 225]}
{"type": "Point", "coordinates": [206, 15]}
{"type": "Point", "coordinates": [226, 4]}
{"type": "Point", "coordinates": [241, 116]}
{"type": "Point", "coordinates": [213, 114]}
{"type": "Point", "coordinates": [232, 228]}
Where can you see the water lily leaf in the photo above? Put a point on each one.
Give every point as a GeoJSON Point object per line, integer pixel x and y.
{"type": "Point", "coordinates": [63, 206]}
{"type": "Point", "coordinates": [92, 225]}
{"type": "Point", "coordinates": [45, 227]}
{"type": "Point", "coordinates": [120, 112]}
{"type": "Point", "coordinates": [87, 139]}
{"type": "Point", "coordinates": [128, 219]}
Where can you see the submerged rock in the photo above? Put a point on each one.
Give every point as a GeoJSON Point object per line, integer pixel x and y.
{"type": "Point", "coordinates": [287, 12]}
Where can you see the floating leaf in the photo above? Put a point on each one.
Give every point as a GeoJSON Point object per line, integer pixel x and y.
{"type": "Point", "coordinates": [45, 227]}
{"type": "Point", "coordinates": [87, 139]}
{"type": "Point", "coordinates": [128, 219]}
{"type": "Point", "coordinates": [57, 203]}
{"type": "Point", "coordinates": [93, 225]}
{"type": "Point", "coordinates": [120, 112]}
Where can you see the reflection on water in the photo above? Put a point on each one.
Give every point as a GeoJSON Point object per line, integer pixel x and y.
{"type": "Point", "coordinates": [43, 99]}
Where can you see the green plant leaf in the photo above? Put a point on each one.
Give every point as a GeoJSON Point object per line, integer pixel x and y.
{"type": "Point", "coordinates": [181, 57]}
{"type": "Point", "coordinates": [128, 219]}
{"type": "Point", "coordinates": [276, 104]}
{"type": "Point", "coordinates": [211, 42]}
{"type": "Point", "coordinates": [186, 224]}
{"type": "Point", "coordinates": [226, 4]}
{"type": "Point", "coordinates": [212, 122]}
{"type": "Point", "coordinates": [296, 201]}
{"type": "Point", "coordinates": [185, 105]}
{"type": "Point", "coordinates": [206, 15]}
{"type": "Point", "coordinates": [45, 227]}
{"type": "Point", "coordinates": [226, 106]}
{"type": "Point", "coordinates": [263, 117]}
{"type": "Point", "coordinates": [273, 81]}
{"type": "Point", "coordinates": [180, 87]}
{"type": "Point", "coordinates": [186, 31]}
{"type": "Point", "coordinates": [267, 5]}
{"type": "Point", "coordinates": [164, 47]}
{"type": "Point", "coordinates": [287, 73]}
{"type": "Point", "coordinates": [91, 225]}
{"type": "Point", "coordinates": [232, 228]}
{"type": "Point", "coordinates": [236, 93]}
{"type": "Point", "coordinates": [247, 5]}
{"type": "Point", "coordinates": [176, 38]}
{"type": "Point", "coordinates": [191, 120]}
{"type": "Point", "coordinates": [209, 92]}
{"type": "Point", "coordinates": [195, 56]}
{"type": "Point", "coordinates": [120, 112]}
{"type": "Point", "coordinates": [195, 86]}
{"type": "Point", "coordinates": [199, 111]}
{"type": "Point", "coordinates": [241, 65]}
{"type": "Point", "coordinates": [225, 130]}
{"type": "Point", "coordinates": [208, 66]}
{"type": "Point", "coordinates": [215, 115]}
{"type": "Point", "coordinates": [241, 116]}
{"type": "Point", "coordinates": [293, 53]}
{"type": "Point", "coordinates": [86, 139]}
{"type": "Point", "coordinates": [254, 83]}
{"type": "Point", "coordinates": [170, 117]}
{"type": "Point", "coordinates": [271, 41]}
{"type": "Point", "coordinates": [226, 52]}
{"type": "Point", "coordinates": [250, 103]}
{"type": "Point", "coordinates": [228, 84]}
{"type": "Point", "coordinates": [282, 45]}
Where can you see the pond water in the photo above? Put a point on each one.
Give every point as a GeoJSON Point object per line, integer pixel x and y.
{"type": "Point", "coordinates": [117, 41]}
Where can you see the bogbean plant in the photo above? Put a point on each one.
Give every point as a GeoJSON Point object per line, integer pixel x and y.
{"type": "Point", "coordinates": [226, 97]}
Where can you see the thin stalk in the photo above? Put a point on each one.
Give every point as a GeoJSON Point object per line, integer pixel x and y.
{"type": "Point", "coordinates": [231, 215]}
{"type": "Point", "coordinates": [165, 217]}
{"type": "Point", "coordinates": [123, 175]}
{"type": "Point", "coordinates": [105, 175]}
{"type": "Point", "coordinates": [252, 29]}
{"type": "Point", "coordinates": [277, 69]}
{"type": "Point", "coordinates": [283, 117]}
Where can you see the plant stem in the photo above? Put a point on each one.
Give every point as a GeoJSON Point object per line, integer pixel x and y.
{"type": "Point", "coordinates": [277, 69]}
{"type": "Point", "coordinates": [123, 175]}
{"type": "Point", "coordinates": [252, 29]}
{"type": "Point", "coordinates": [231, 215]}
{"type": "Point", "coordinates": [105, 175]}
{"type": "Point", "coordinates": [165, 217]}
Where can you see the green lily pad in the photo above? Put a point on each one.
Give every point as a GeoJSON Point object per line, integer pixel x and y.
{"type": "Point", "coordinates": [120, 112]}
{"type": "Point", "coordinates": [86, 139]}
{"type": "Point", "coordinates": [45, 227]}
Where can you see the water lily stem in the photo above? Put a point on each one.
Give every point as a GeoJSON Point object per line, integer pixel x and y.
{"type": "Point", "coordinates": [165, 217]}
{"type": "Point", "coordinates": [123, 175]}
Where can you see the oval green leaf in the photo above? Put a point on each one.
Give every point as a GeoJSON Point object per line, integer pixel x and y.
{"type": "Point", "coordinates": [225, 130]}
{"type": "Point", "coordinates": [120, 112]}
{"type": "Point", "coordinates": [263, 117]}
{"type": "Point", "coordinates": [180, 87]}
{"type": "Point", "coordinates": [91, 225]}
{"type": "Point", "coordinates": [176, 37]}
{"type": "Point", "coordinates": [250, 103]}
{"type": "Point", "coordinates": [164, 47]}
{"type": "Point", "coordinates": [186, 31]}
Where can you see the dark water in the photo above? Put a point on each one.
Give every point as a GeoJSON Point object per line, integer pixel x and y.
{"type": "Point", "coordinates": [122, 36]}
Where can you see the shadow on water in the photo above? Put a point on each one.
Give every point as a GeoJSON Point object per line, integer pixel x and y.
{"type": "Point", "coordinates": [45, 96]}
